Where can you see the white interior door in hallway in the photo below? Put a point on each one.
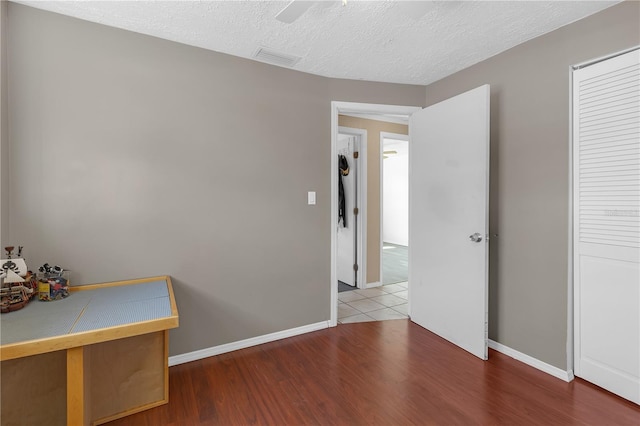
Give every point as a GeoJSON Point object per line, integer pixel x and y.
{"type": "Point", "coordinates": [395, 188]}
{"type": "Point", "coordinates": [394, 200]}
{"type": "Point", "coordinates": [606, 224]}
{"type": "Point", "coordinates": [347, 225]}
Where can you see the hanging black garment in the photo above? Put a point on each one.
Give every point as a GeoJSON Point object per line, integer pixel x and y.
{"type": "Point", "coordinates": [343, 170]}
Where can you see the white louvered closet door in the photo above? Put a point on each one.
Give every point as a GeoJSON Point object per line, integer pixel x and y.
{"type": "Point", "coordinates": [606, 132]}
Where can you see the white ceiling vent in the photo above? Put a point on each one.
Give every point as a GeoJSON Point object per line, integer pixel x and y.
{"type": "Point", "coordinates": [266, 54]}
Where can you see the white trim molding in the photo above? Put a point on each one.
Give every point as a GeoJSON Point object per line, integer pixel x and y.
{"type": "Point", "coordinates": [247, 343]}
{"type": "Point", "coordinates": [567, 376]}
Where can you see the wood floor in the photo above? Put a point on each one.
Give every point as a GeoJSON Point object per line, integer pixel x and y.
{"type": "Point", "coordinates": [375, 373]}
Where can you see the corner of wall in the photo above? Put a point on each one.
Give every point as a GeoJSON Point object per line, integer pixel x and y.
{"type": "Point", "coordinates": [4, 132]}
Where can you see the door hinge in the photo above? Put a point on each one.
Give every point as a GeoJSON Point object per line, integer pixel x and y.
{"type": "Point", "coordinates": [355, 211]}
{"type": "Point", "coordinates": [356, 154]}
{"type": "Point", "coordinates": [355, 267]}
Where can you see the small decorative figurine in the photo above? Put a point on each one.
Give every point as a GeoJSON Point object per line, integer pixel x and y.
{"type": "Point", "coordinates": [9, 250]}
{"type": "Point", "coordinates": [18, 284]}
{"type": "Point", "coordinates": [53, 282]}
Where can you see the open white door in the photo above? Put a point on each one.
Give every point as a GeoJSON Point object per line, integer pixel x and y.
{"type": "Point", "coordinates": [448, 219]}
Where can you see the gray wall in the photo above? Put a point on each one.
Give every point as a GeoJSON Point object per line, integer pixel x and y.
{"type": "Point", "coordinates": [133, 156]}
{"type": "Point", "coordinates": [529, 206]}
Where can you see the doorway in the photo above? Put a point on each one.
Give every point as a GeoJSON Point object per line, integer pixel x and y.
{"type": "Point", "coordinates": [449, 234]}
{"type": "Point", "coordinates": [394, 218]}
{"type": "Point", "coordinates": [395, 114]}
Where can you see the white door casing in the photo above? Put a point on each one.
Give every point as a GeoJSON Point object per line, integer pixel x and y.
{"type": "Point", "coordinates": [448, 203]}
{"type": "Point", "coordinates": [606, 224]}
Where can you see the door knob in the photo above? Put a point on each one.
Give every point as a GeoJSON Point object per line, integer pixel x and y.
{"type": "Point", "coordinates": [476, 238]}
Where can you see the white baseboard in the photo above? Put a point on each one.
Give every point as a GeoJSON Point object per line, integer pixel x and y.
{"type": "Point", "coordinates": [372, 285]}
{"type": "Point", "coordinates": [241, 344]}
{"type": "Point", "coordinates": [567, 376]}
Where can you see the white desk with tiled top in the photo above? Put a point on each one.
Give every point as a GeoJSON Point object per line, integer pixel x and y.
{"type": "Point", "coordinates": [100, 354]}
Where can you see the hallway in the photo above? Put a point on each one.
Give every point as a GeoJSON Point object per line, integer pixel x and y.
{"type": "Point", "coordinates": [373, 304]}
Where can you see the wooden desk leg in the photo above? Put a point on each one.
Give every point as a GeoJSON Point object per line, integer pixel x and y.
{"type": "Point", "coordinates": [166, 366]}
{"type": "Point", "coordinates": [78, 412]}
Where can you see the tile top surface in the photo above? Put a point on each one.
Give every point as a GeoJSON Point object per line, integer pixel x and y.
{"type": "Point", "coordinates": [87, 310]}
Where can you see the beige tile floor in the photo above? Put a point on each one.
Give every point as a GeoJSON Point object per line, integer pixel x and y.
{"type": "Point", "coordinates": [373, 304]}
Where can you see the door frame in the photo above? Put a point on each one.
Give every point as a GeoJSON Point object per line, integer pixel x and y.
{"type": "Point", "coordinates": [361, 189]}
{"type": "Point", "coordinates": [338, 107]}
{"type": "Point", "coordinates": [384, 135]}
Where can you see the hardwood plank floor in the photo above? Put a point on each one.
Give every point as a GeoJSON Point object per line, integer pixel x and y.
{"type": "Point", "coordinates": [375, 373]}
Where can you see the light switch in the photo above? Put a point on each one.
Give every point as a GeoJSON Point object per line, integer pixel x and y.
{"type": "Point", "coordinates": [311, 198]}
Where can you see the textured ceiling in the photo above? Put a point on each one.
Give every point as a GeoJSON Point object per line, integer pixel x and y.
{"type": "Point", "coordinates": [414, 42]}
